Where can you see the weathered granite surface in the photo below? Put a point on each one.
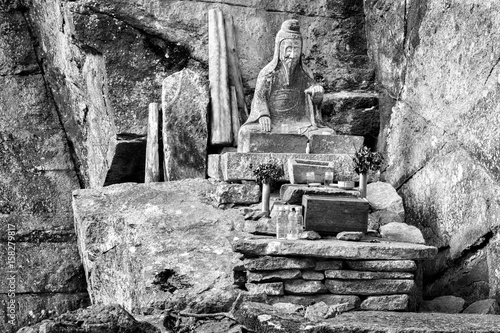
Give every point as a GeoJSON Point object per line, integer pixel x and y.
{"type": "Point", "coordinates": [262, 318]}
{"type": "Point", "coordinates": [156, 245]}
{"type": "Point", "coordinates": [439, 132]}
{"type": "Point", "coordinates": [237, 193]}
{"type": "Point", "coordinates": [383, 265]}
{"type": "Point", "coordinates": [332, 248]}
{"type": "Point", "coordinates": [270, 288]}
{"type": "Point", "coordinates": [385, 303]}
{"type": "Point", "coordinates": [360, 275]}
{"type": "Point", "coordinates": [301, 287]}
{"type": "Point", "coordinates": [273, 263]}
{"type": "Point", "coordinates": [185, 101]}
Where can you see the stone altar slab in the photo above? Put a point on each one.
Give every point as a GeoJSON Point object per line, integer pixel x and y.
{"type": "Point", "coordinates": [234, 166]}
{"type": "Point", "coordinates": [332, 248]}
{"type": "Point", "coordinates": [269, 142]}
{"type": "Point", "coordinates": [335, 144]}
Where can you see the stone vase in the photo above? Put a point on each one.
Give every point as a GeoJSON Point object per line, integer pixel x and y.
{"type": "Point", "coordinates": [266, 195]}
{"type": "Point", "coordinates": [363, 179]}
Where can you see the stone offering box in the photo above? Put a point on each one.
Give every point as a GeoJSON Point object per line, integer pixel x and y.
{"type": "Point", "coordinates": [331, 215]}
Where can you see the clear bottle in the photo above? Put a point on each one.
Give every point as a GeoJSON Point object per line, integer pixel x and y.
{"type": "Point", "coordinates": [293, 226]}
{"type": "Point", "coordinates": [300, 220]}
{"type": "Point", "coordinates": [281, 223]}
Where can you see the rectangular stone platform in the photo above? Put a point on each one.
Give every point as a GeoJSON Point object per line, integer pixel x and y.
{"type": "Point", "coordinates": [267, 142]}
{"type": "Point", "coordinates": [305, 272]}
{"type": "Point", "coordinates": [234, 166]}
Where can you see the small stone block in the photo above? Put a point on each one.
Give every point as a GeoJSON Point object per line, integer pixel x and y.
{"type": "Point", "coordinates": [443, 304]}
{"type": "Point", "coordinates": [298, 166]}
{"type": "Point", "coordinates": [360, 275]}
{"type": "Point", "coordinates": [286, 274]}
{"type": "Point", "coordinates": [313, 276]}
{"type": "Point", "coordinates": [310, 235]}
{"type": "Point", "coordinates": [237, 193]}
{"type": "Point", "coordinates": [332, 264]}
{"type": "Point", "coordinates": [370, 287]}
{"type": "Point", "coordinates": [487, 306]}
{"type": "Point", "coordinates": [301, 287]}
{"type": "Point", "coordinates": [386, 303]}
{"type": "Point", "coordinates": [308, 300]}
{"type": "Point", "coordinates": [213, 166]}
{"type": "Point", "coordinates": [273, 288]}
{"type": "Point", "coordinates": [354, 236]}
{"type": "Point", "coordinates": [383, 265]}
{"type": "Point", "coordinates": [268, 142]}
{"type": "Point", "coordinates": [335, 144]}
{"type": "Point", "coordinates": [402, 232]}
{"type": "Point", "coordinates": [321, 310]}
{"type": "Point", "coordinates": [268, 263]}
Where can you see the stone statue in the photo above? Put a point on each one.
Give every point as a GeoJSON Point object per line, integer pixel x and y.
{"type": "Point", "coordinates": [286, 95]}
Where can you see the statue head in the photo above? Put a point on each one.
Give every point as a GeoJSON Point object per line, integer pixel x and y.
{"type": "Point", "coordinates": [288, 43]}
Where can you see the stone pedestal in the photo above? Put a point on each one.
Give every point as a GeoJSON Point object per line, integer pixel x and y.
{"type": "Point", "coordinates": [234, 166]}
{"type": "Point", "coordinates": [365, 275]}
{"type": "Point", "coordinates": [267, 142]}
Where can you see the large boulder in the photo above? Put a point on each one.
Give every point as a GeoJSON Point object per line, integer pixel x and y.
{"type": "Point", "coordinates": [441, 136]}
{"type": "Point", "coordinates": [156, 246]}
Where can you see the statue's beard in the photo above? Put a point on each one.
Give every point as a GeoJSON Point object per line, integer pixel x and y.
{"type": "Point", "coordinates": [289, 64]}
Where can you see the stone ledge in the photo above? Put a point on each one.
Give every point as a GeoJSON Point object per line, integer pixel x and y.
{"type": "Point", "coordinates": [233, 166]}
{"type": "Point", "coordinates": [332, 248]}
{"type": "Point", "coordinates": [266, 318]}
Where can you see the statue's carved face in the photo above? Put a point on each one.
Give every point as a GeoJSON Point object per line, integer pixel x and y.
{"type": "Point", "coordinates": [290, 50]}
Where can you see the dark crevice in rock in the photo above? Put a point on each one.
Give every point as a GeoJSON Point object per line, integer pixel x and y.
{"type": "Point", "coordinates": [128, 165]}
{"type": "Point", "coordinates": [491, 70]}
{"type": "Point", "coordinates": [71, 147]}
{"type": "Point", "coordinates": [168, 280]}
{"type": "Point", "coordinates": [47, 236]}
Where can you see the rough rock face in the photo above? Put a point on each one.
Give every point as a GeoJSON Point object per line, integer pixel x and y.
{"type": "Point", "coordinates": [438, 74]}
{"type": "Point", "coordinates": [156, 246]}
{"type": "Point", "coordinates": [94, 319]}
{"type": "Point", "coordinates": [37, 175]}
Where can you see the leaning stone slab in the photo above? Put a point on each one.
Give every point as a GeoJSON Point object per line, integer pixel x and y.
{"type": "Point", "coordinates": [307, 300]}
{"type": "Point", "coordinates": [277, 263]}
{"type": "Point", "coordinates": [487, 306]}
{"type": "Point", "coordinates": [237, 193]}
{"type": "Point", "coordinates": [370, 287]}
{"type": "Point", "coordinates": [185, 101]}
{"type": "Point", "coordinates": [268, 142]}
{"type": "Point", "coordinates": [301, 287]}
{"type": "Point", "coordinates": [273, 288]}
{"type": "Point", "coordinates": [386, 303]}
{"type": "Point", "coordinates": [383, 265]}
{"type": "Point", "coordinates": [335, 144]}
{"type": "Point", "coordinates": [360, 275]}
{"type": "Point", "coordinates": [286, 274]}
{"type": "Point", "coordinates": [332, 248]}
{"type": "Point", "coordinates": [292, 193]}
{"type": "Point", "coordinates": [265, 318]}
{"type": "Point", "coordinates": [312, 275]}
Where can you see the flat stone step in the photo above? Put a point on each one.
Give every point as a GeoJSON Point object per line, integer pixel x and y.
{"type": "Point", "coordinates": [266, 318]}
{"type": "Point", "coordinates": [232, 166]}
{"type": "Point", "coordinates": [333, 248]}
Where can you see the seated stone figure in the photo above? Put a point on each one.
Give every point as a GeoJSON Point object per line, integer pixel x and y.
{"type": "Point", "coordinates": [285, 93]}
